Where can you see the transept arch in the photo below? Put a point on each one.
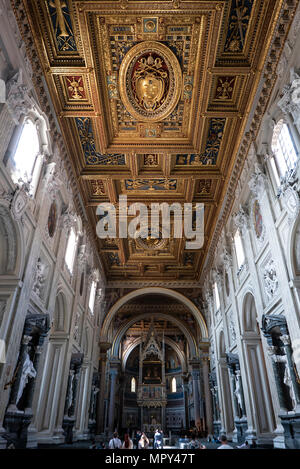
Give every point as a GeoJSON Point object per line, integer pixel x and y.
{"type": "Point", "coordinates": [167, 340]}
{"type": "Point", "coordinates": [122, 330]}
{"type": "Point", "coordinates": [154, 291]}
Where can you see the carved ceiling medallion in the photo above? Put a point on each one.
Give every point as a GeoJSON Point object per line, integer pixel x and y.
{"type": "Point", "coordinates": [150, 81]}
{"type": "Point", "coordinates": [152, 244]}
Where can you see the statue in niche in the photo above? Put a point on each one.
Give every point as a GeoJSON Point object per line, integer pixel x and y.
{"type": "Point", "coordinates": [270, 279]}
{"type": "Point", "coordinates": [95, 391]}
{"type": "Point", "coordinates": [40, 276]}
{"type": "Point", "coordinates": [28, 371]}
{"type": "Point", "coordinates": [238, 393]}
{"type": "Point", "coordinates": [288, 382]}
{"type": "Point", "coordinates": [70, 393]}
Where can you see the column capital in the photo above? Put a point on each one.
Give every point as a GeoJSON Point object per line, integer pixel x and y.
{"type": "Point", "coordinates": [104, 346]}
{"type": "Point", "coordinates": [205, 358]}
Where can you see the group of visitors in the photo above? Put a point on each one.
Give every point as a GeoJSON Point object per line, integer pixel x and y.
{"type": "Point", "coordinates": [141, 441]}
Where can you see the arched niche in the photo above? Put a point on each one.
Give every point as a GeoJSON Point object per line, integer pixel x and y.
{"type": "Point", "coordinates": [154, 291]}
{"type": "Point", "coordinates": [60, 319]}
{"type": "Point", "coordinates": [222, 346]}
{"type": "Point", "coordinates": [293, 257]}
{"type": "Point", "coordinates": [250, 316]}
{"type": "Point", "coordinates": [12, 244]}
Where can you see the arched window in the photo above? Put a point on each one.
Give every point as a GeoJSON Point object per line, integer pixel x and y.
{"type": "Point", "coordinates": [217, 297]}
{"type": "Point", "coordinates": [133, 385]}
{"type": "Point", "coordinates": [70, 251]}
{"type": "Point", "coordinates": [92, 296]}
{"type": "Point", "coordinates": [173, 385]}
{"type": "Point", "coordinates": [240, 255]}
{"type": "Point", "coordinates": [26, 160]}
{"type": "Point", "coordinates": [285, 154]}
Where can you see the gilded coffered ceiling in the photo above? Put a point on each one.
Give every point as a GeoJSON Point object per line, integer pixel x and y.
{"type": "Point", "coordinates": [152, 99]}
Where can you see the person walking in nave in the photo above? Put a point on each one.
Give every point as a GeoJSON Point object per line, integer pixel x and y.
{"type": "Point", "coordinates": [158, 439]}
{"type": "Point", "coordinates": [137, 439]}
{"type": "Point", "coordinates": [144, 442]}
{"type": "Point", "coordinates": [128, 443]}
{"type": "Point", "coordinates": [115, 442]}
{"type": "Point", "coordinates": [224, 443]}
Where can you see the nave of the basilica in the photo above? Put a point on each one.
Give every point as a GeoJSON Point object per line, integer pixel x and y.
{"type": "Point", "coordinates": [179, 102]}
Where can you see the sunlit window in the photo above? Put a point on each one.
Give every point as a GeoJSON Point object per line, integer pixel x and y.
{"type": "Point", "coordinates": [217, 298]}
{"type": "Point", "coordinates": [133, 385]}
{"type": "Point", "coordinates": [285, 155]}
{"type": "Point", "coordinates": [173, 385]}
{"type": "Point", "coordinates": [70, 251]}
{"type": "Point", "coordinates": [240, 255]}
{"type": "Point", "coordinates": [27, 164]}
{"type": "Point", "coordinates": [92, 296]}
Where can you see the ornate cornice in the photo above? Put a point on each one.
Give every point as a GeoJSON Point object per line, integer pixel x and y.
{"type": "Point", "coordinates": [152, 283]}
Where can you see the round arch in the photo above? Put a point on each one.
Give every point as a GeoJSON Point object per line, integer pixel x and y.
{"type": "Point", "coordinates": [293, 248]}
{"type": "Point", "coordinates": [122, 330]}
{"type": "Point", "coordinates": [168, 341]}
{"type": "Point", "coordinates": [12, 256]}
{"type": "Point", "coordinates": [153, 291]}
{"type": "Point", "coordinates": [222, 346]}
{"type": "Point", "coordinates": [60, 315]}
{"type": "Point", "coordinates": [249, 317]}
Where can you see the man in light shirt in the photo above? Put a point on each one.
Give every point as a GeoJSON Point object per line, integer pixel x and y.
{"type": "Point", "coordinates": [224, 443]}
{"type": "Point", "coordinates": [115, 442]}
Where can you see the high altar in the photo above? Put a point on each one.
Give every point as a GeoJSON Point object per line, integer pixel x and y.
{"type": "Point", "coordinates": [152, 398]}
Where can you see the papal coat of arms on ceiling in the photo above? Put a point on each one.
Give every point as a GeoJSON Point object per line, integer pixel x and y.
{"type": "Point", "coordinates": [150, 81]}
